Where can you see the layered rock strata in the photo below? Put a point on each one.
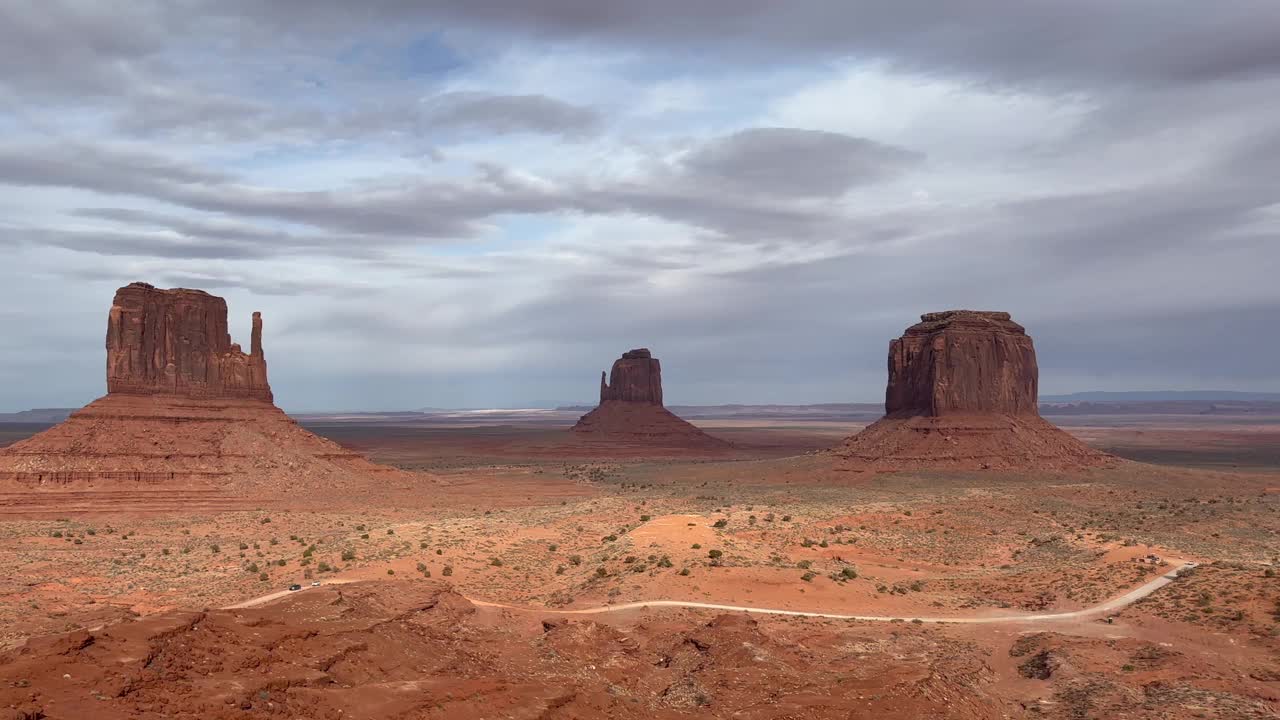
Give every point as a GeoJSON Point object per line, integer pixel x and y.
{"type": "Point", "coordinates": [631, 410]}
{"type": "Point", "coordinates": [962, 394]}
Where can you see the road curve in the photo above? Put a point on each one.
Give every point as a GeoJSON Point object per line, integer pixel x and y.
{"type": "Point", "coordinates": [1116, 603]}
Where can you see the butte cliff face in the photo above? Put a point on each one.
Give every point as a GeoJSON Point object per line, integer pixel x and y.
{"type": "Point", "coordinates": [962, 393]}
{"type": "Point", "coordinates": [635, 377]}
{"type": "Point", "coordinates": [631, 414]}
{"type": "Point", "coordinates": [175, 342]}
{"type": "Point", "coordinates": [962, 362]}
{"type": "Point", "coordinates": [186, 409]}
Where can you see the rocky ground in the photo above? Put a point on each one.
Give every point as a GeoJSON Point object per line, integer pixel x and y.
{"type": "Point", "coordinates": [790, 533]}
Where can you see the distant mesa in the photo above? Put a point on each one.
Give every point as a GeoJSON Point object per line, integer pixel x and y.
{"type": "Point", "coordinates": [185, 407]}
{"type": "Point", "coordinates": [962, 394]}
{"type": "Point", "coordinates": [631, 410]}
{"type": "Point", "coordinates": [175, 342]}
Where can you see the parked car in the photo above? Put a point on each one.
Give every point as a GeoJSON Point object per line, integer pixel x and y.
{"type": "Point", "coordinates": [295, 587]}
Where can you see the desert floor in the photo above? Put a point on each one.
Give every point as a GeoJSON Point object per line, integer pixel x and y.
{"type": "Point", "coordinates": [502, 511]}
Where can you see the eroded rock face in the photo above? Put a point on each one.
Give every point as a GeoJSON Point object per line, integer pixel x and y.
{"type": "Point", "coordinates": [635, 377]}
{"type": "Point", "coordinates": [962, 362]}
{"type": "Point", "coordinates": [175, 342]}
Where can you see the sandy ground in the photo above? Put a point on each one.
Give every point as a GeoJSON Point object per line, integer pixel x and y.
{"type": "Point", "coordinates": [508, 521]}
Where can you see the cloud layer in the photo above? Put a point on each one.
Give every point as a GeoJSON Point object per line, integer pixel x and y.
{"type": "Point", "coordinates": [482, 203]}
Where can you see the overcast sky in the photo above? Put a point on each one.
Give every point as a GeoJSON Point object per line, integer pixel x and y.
{"type": "Point", "coordinates": [481, 203]}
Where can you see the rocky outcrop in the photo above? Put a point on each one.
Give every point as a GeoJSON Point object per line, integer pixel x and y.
{"type": "Point", "coordinates": [185, 407]}
{"type": "Point", "coordinates": [962, 394]}
{"type": "Point", "coordinates": [631, 414]}
{"type": "Point", "coordinates": [635, 377]}
{"type": "Point", "coordinates": [175, 342]}
{"type": "Point", "coordinates": [962, 362]}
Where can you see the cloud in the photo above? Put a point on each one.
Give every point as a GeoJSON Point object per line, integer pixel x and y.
{"type": "Point", "coordinates": [795, 162]}
{"type": "Point", "coordinates": [502, 114]}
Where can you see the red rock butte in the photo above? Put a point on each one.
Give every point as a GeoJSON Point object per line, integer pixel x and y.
{"type": "Point", "coordinates": [175, 342]}
{"type": "Point", "coordinates": [185, 409]}
{"type": "Point", "coordinates": [631, 412]}
{"type": "Point", "coordinates": [962, 394]}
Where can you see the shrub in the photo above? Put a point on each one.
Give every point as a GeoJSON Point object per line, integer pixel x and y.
{"type": "Point", "coordinates": [629, 559]}
{"type": "Point", "coordinates": [264, 577]}
{"type": "Point", "coordinates": [559, 569]}
{"type": "Point", "coordinates": [215, 549]}
{"type": "Point", "coordinates": [281, 562]}
{"type": "Point", "coordinates": [786, 518]}
{"type": "Point", "coordinates": [390, 531]}
{"type": "Point", "coordinates": [575, 559]}
{"type": "Point", "coordinates": [439, 552]}
{"type": "Point", "coordinates": [697, 546]}
{"type": "Point", "coordinates": [495, 562]}
{"type": "Point", "coordinates": [390, 571]}
{"type": "Point", "coordinates": [665, 562]}
{"type": "Point", "coordinates": [553, 547]}
{"type": "Point", "coordinates": [266, 520]}
{"type": "Point", "coordinates": [422, 546]}
{"type": "Point", "coordinates": [720, 523]}
{"type": "Point", "coordinates": [684, 572]}
{"type": "Point", "coordinates": [610, 538]}
{"type": "Point", "coordinates": [364, 536]}
{"type": "Point", "coordinates": [422, 566]}
{"type": "Point", "coordinates": [601, 572]}
{"type": "Point", "coordinates": [244, 546]}
{"type": "Point", "coordinates": [347, 555]}
{"type": "Point", "coordinates": [323, 567]}
{"type": "Point", "coordinates": [447, 571]}
{"type": "Point", "coordinates": [809, 576]}
{"type": "Point", "coordinates": [645, 518]}
{"type": "Point", "coordinates": [849, 572]}
{"type": "Point", "coordinates": [804, 564]}
{"type": "Point", "coordinates": [253, 568]}
{"type": "Point", "coordinates": [715, 554]}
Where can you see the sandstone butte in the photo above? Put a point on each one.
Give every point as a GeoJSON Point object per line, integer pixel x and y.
{"type": "Point", "coordinates": [184, 407]}
{"type": "Point", "coordinates": [962, 394]}
{"type": "Point", "coordinates": [631, 412]}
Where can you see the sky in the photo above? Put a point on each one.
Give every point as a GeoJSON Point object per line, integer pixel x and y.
{"type": "Point", "coordinates": [482, 203]}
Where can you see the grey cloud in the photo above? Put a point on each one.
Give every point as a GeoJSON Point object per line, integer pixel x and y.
{"type": "Point", "coordinates": [1160, 41]}
{"type": "Point", "coordinates": [794, 162]}
{"type": "Point", "coordinates": [113, 170]}
{"type": "Point", "coordinates": [503, 114]}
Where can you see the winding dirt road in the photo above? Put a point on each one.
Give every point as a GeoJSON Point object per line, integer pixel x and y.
{"type": "Point", "coordinates": [1115, 603]}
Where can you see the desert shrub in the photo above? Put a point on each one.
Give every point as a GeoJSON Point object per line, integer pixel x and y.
{"type": "Point", "coordinates": [391, 531]}
{"type": "Point", "coordinates": [720, 523]}
{"type": "Point", "coordinates": [323, 567]}
{"type": "Point", "coordinates": [697, 546]}
{"type": "Point", "coordinates": [809, 576]}
{"type": "Point", "coordinates": [804, 564]}
{"type": "Point", "coordinates": [786, 518]}
{"type": "Point", "coordinates": [715, 554]}
{"type": "Point", "coordinates": [215, 549]}
{"type": "Point", "coordinates": [422, 546]}
{"type": "Point", "coordinates": [264, 577]}
{"type": "Point", "coordinates": [347, 555]}
{"type": "Point", "coordinates": [575, 559]}
{"type": "Point", "coordinates": [553, 547]}
{"type": "Point", "coordinates": [244, 546]}
{"type": "Point", "coordinates": [266, 520]}
{"type": "Point", "coordinates": [684, 571]}
{"type": "Point", "coordinates": [495, 562]}
{"type": "Point", "coordinates": [849, 572]}
{"type": "Point", "coordinates": [559, 569]}
{"type": "Point", "coordinates": [629, 559]}
{"type": "Point", "coordinates": [610, 538]}
{"type": "Point", "coordinates": [601, 572]}
{"type": "Point", "coordinates": [364, 536]}
{"type": "Point", "coordinates": [253, 568]}
{"type": "Point", "coordinates": [422, 566]}
{"type": "Point", "coordinates": [645, 518]}
{"type": "Point", "coordinates": [447, 571]}
{"type": "Point", "coordinates": [665, 562]}
{"type": "Point", "coordinates": [390, 571]}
